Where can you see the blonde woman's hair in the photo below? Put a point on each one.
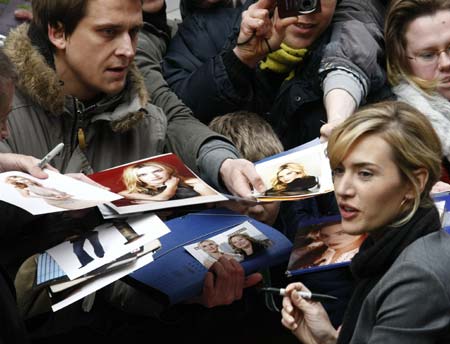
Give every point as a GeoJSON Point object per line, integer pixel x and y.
{"type": "Point", "coordinates": [132, 182]}
{"type": "Point", "coordinates": [408, 132]}
{"type": "Point", "coordinates": [253, 137]}
{"type": "Point", "coordinates": [399, 15]}
{"type": "Point", "coordinates": [278, 185]}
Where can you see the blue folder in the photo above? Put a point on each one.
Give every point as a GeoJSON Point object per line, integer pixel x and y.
{"type": "Point", "coordinates": [179, 275]}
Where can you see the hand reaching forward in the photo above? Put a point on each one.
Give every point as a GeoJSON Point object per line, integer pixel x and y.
{"type": "Point", "coordinates": [239, 175]}
{"type": "Point", "coordinates": [259, 33]}
{"type": "Point", "coordinates": [224, 283]}
{"type": "Point", "coordinates": [24, 163]}
{"type": "Point", "coordinates": [307, 319]}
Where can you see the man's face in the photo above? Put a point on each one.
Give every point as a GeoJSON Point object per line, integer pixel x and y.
{"type": "Point", "coordinates": [310, 26]}
{"type": "Point", "coordinates": [6, 95]}
{"type": "Point", "coordinates": [96, 57]}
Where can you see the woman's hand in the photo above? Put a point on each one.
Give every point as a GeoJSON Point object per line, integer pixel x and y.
{"type": "Point", "coordinates": [172, 183]}
{"type": "Point", "coordinates": [307, 319]}
{"type": "Point", "coordinates": [200, 187]}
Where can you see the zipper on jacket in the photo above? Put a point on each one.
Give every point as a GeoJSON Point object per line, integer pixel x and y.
{"type": "Point", "coordinates": [80, 112]}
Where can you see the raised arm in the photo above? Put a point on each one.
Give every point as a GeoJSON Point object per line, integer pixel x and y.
{"type": "Point", "coordinates": [353, 62]}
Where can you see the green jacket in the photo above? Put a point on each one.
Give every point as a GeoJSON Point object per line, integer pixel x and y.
{"type": "Point", "coordinates": [117, 129]}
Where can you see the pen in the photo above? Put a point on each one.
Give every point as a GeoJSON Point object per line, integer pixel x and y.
{"type": "Point", "coordinates": [54, 152]}
{"type": "Point", "coordinates": [305, 294]}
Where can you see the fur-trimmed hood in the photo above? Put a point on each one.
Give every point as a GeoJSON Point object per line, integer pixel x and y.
{"type": "Point", "coordinates": [39, 81]}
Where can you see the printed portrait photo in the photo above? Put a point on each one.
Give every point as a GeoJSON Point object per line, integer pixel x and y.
{"type": "Point", "coordinates": [323, 244]}
{"type": "Point", "coordinates": [299, 174]}
{"type": "Point", "coordinates": [56, 193]}
{"type": "Point", "coordinates": [240, 243]}
{"type": "Point", "coordinates": [151, 183]}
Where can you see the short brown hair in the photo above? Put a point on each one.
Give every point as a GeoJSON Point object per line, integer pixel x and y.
{"type": "Point", "coordinates": [399, 15]}
{"type": "Point", "coordinates": [55, 13]}
{"type": "Point", "coordinates": [250, 133]}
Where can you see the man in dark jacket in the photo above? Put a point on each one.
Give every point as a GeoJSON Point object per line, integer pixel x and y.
{"type": "Point", "coordinates": [204, 67]}
{"type": "Point", "coordinates": [78, 84]}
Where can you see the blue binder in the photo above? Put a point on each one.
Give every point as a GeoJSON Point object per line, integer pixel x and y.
{"type": "Point", "coordinates": [180, 276]}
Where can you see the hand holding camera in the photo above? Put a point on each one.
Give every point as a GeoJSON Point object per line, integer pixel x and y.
{"type": "Point", "coordinates": [260, 33]}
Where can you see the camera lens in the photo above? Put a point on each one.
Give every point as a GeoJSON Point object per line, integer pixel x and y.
{"type": "Point", "coordinates": [307, 6]}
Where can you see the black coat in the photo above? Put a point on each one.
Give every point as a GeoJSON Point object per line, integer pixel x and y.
{"type": "Point", "coordinates": [204, 72]}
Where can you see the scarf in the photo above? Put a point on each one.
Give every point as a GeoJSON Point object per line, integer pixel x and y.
{"type": "Point", "coordinates": [435, 107]}
{"type": "Point", "coordinates": [376, 257]}
{"type": "Point", "coordinates": [284, 60]}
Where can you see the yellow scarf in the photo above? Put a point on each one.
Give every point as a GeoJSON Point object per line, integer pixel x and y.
{"type": "Point", "coordinates": [284, 60]}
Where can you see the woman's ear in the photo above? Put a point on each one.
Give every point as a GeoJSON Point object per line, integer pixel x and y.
{"type": "Point", "coordinates": [421, 175]}
{"type": "Point", "coordinates": [57, 36]}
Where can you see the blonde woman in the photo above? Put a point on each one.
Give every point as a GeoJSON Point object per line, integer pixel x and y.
{"type": "Point", "coordinates": [156, 181]}
{"type": "Point", "coordinates": [385, 159]}
{"type": "Point", "coordinates": [291, 179]}
{"type": "Point", "coordinates": [210, 247]}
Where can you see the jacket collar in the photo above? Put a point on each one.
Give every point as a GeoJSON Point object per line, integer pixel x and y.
{"type": "Point", "coordinates": [39, 81]}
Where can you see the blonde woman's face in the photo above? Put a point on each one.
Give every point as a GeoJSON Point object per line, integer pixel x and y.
{"type": "Point", "coordinates": [287, 175]}
{"type": "Point", "coordinates": [428, 49]}
{"type": "Point", "coordinates": [208, 246]}
{"type": "Point", "coordinates": [368, 186]}
{"type": "Point", "coordinates": [153, 175]}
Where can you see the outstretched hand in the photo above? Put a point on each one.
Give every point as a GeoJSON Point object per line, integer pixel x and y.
{"type": "Point", "coordinates": [224, 283]}
{"type": "Point", "coordinates": [239, 175]}
{"type": "Point", "coordinates": [260, 33]}
{"type": "Point", "coordinates": [24, 163]}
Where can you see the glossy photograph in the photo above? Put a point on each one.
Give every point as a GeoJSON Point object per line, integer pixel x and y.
{"type": "Point", "coordinates": [296, 175]}
{"type": "Point", "coordinates": [240, 243]}
{"type": "Point", "coordinates": [56, 193]}
{"type": "Point", "coordinates": [323, 245]}
{"type": "Point", "coordinates": [159, 182]}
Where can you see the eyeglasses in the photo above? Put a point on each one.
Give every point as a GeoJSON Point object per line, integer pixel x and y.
{"type": "Point", "coordinates": [430, 58]}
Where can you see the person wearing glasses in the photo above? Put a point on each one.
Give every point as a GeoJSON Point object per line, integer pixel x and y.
{"type": "Point", "coordinates": [417, 35]}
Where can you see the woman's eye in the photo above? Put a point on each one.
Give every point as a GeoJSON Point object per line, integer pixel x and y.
{"type": "Point", "coordinates": [338, 171]}
{"type": "Point", "coordinates": [365, 174]}
{"type": "Point", "coordinates": [427, 55]}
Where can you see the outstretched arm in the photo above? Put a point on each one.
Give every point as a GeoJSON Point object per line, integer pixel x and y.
{"type": "Point", "coordinates": [353, 62]}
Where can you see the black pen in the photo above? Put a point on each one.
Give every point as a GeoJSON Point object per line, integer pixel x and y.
{"type": "Point", "coordinates": [305, 294]}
